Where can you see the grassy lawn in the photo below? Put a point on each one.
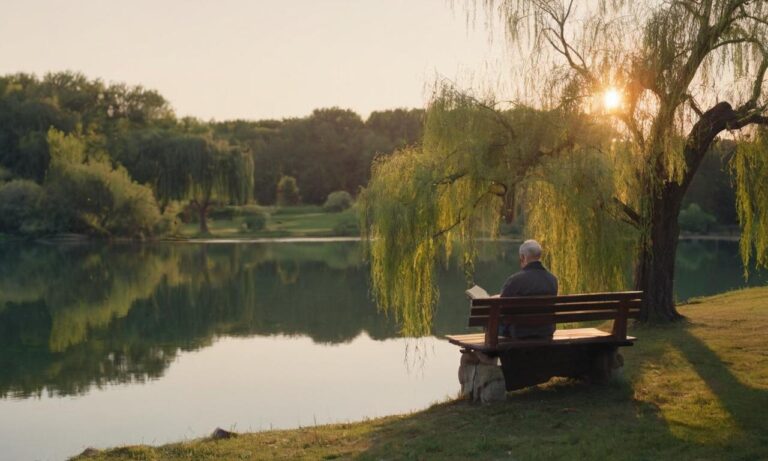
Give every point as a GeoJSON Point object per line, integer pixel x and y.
{"type": "Point", "coordinates": [692, 391]}
{"type": "Point", "coordinates": [301, 221]}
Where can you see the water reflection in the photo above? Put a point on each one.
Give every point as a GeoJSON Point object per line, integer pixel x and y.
{"type": "Point", "coordinates": [708, 267]}
{"type": "Point", "coordinates": [72, 317]}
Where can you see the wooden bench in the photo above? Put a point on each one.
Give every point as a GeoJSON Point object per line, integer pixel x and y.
{"type": "Point", "coordinates": [573, 352]}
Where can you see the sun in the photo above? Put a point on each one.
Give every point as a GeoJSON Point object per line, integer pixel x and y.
{"type": "Point", "coordinates": [611, 99]}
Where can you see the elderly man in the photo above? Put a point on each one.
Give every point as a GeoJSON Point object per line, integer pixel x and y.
{"type": "Point", "coordinates": [532, 280]}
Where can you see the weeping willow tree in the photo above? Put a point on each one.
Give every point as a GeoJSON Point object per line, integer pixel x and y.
{"type": "Point", "coordinates": [478, 165]}
{"type": "Point", "coordinates": [602, 186]}
{"type": "Point", "coordinates": [194, 168]}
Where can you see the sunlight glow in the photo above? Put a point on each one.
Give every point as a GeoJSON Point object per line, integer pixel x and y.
{"type": "Point", "coordinates": [611, 99]}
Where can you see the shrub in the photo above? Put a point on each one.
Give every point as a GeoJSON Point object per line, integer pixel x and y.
{"type": "Point", "coordinates": [287, 191]}
{"type": "Point", "coordinates": [19, 206]}
{"type": "Point", "coordinates": [95, 198]}
{"type": "Point", "coordinates": [337, 201]}
{"type": "Point", "coordinates": [348, 225]}
{"type": "Point", "coordinates": [5, 175]}
{"type": "Point", "coordinates": [92, 196]}
{"type": "Point", "coordinates": [170, 221]}
{"type": "Point", "coordinates": [255, 220]}
{"type": "Point", "coordinates": [694, 219]}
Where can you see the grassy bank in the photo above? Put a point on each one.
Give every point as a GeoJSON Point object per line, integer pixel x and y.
{"type": "Point", "coordinates": [690, 391]}
{"type": "Point", "coordinates": [300, 221]}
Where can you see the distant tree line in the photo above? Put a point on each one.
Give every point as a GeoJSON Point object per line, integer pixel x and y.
{"type": "Point", "coordinates": [80, 155]}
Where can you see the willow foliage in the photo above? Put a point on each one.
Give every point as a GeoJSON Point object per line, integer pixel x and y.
{"type": "Point", "coordinates": [477, 165]}
{"type": "Point", "coordinates": [194, 167]}
{"type": "Point", "coordinates": [570, 209]}
{"type": "Point", "coordinates": [749, 167]}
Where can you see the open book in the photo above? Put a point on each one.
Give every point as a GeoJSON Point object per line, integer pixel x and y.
{"type": "Point", "coordinates": [477, 292]}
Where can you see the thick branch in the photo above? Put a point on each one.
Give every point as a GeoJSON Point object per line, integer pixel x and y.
{"type": "Point", "coordinates": [633, 217]}
{"type": "Point", "coordinates": [712, 122]}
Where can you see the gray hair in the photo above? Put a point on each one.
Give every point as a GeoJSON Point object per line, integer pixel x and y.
{"type": "Point", "coordinates": [531, 250]}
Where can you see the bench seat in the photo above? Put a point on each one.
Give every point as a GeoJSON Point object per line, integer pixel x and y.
{"type": "Point", "coordinates": [476, 341]}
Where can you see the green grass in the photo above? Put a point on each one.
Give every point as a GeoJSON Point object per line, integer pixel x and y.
{"type": "Point", "coordinates": [300, 221]}
{"type": "Point", "coordinates": [697, 390]}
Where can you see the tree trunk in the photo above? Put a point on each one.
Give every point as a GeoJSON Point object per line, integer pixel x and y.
{"type": "Point", "coordinates": [203, 215]}
{"type": "Point", "coordinates": [655, 273]}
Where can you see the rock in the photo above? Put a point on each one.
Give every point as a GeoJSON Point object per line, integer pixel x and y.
{"type": "Point", "coordinates": [88, 452]}
{"type": "Point", "coordinates": [481, 378]}
{"type": "Point", "coordinates": [489, 384]}
{"type": "Point", "coordinates": [220, 433]}
{"type": "Point", "coordinates": [606, 366]}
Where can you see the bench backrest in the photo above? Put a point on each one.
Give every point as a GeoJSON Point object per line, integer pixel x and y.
{"type": "Point", "coordinates": [545, 310]}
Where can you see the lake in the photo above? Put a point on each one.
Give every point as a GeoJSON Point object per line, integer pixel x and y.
{"type": "Point", "coordinates": [104, 345]}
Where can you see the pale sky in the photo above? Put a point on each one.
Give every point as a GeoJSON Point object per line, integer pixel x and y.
{"type": "Point", "coordinates": [253, 59]}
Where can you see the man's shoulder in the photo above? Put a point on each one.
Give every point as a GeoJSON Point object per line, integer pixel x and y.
{"type": "Point", "coordinates": [516, 275]}
{"type": "Point", "coordinates": [516, 278]}
{"type": "Point", "coordinates": [530, 283]}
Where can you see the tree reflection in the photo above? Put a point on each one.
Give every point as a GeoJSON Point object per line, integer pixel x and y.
{"type": "Point", "coordinates": [72, 317]}
{"type": "Point", "coordinates": [76, 316]}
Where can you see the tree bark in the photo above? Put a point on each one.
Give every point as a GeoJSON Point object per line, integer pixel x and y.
{"type": "Point", "coordinates": [655, 272]}
{"type": "Point", "coordinates": [202, 209]}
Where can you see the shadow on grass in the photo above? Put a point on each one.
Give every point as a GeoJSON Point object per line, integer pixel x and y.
{"type": "Point", "coordinates": [563, 420]}
{"type": "Point", "coordinates": [745, 404]}
{"type": "Point", "coordinates": [571, 420]}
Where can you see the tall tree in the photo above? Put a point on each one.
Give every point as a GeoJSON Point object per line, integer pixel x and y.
{"type": "Point", "coordinates": [674, 75]}
{"type": "Point", "coordinates": [191, 167]}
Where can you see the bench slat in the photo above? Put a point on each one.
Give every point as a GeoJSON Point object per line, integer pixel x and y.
{"type": "Point", "coordinates": [543, 319]}
{"type": "Point", "coordinates": [560, 338]}
{"type": "Point", "coordinates": [556, 307]}
{"type": "Point", "coordinates": [547, 300]}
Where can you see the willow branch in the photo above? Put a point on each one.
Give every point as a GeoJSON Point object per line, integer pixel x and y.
{"type": "Point", "coordinates": [692, 102]}
{"type": "Point", "coordinates": [565, 48]}
{"type": "Point", "coordinates": [462, 216]}
{"type": "Point", "coordinates": [757, 87]}
{"type": "Point", "coordinates": [450, 179]}
{"type": "Point", "coordinates": [498, 116]}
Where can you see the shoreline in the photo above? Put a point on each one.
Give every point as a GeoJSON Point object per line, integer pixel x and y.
{"type": "Point", "coordinates": [85, 239]}
{"type": "Point", "coordinates": [671, 399]}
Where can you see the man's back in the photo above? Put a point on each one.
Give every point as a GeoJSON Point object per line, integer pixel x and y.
{"type": "Point", "coordinates": [533, 280]}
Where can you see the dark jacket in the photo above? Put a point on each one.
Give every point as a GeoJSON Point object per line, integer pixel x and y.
{"type": "Point", "coordinates": [533, 280]}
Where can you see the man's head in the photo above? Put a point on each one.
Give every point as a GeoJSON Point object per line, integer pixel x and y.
{"type": "Point", "coordinates": [530, 251]}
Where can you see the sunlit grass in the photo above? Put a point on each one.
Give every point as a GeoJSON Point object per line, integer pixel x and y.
{"type": "Point", "coordinates": [690, 391]}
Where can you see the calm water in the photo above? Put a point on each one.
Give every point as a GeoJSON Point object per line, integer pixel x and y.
{"type": "Point", "coordinates": [111, 345]}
